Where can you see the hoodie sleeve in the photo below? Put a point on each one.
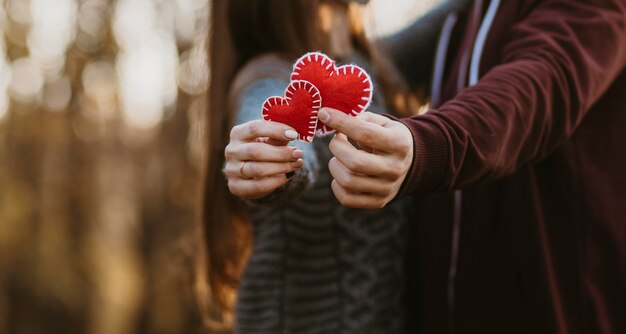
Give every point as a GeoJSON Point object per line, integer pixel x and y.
{"type": "Point", "coordinates": [558, 62]}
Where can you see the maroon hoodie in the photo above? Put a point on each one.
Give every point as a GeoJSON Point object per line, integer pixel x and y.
{"type": "Point", "coordinates": [520, 179]}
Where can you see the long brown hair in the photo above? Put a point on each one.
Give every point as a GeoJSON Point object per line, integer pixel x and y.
{"type": "Point", "coordinates": [241, 30]}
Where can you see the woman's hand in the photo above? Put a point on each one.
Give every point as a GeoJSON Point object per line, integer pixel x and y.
{"type": "Point", "coordinates": [369, 176]}
{"type": "Point", "coordinates": [257, 158]}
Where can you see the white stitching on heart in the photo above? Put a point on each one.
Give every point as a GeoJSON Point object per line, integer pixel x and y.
{"type": "Point", "coordinates": [302, 61]}
{"type": "Point", "coordinates": [289, 91]}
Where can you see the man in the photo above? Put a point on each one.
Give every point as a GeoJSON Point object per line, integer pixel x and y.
{"type": "Point", "coordinates": [518, 172]}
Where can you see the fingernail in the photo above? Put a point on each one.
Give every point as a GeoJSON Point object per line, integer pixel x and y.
{"type": "Point", "coordinates": [297, 154]}
{"type": "Point", "coordinates": [291, 134]}
{"type": "Point", "coordinates": [297, 164]}
{"type": "Point", "coordinates": [290, 174]}
{"type": "Point", "coordinates": [323, 115]}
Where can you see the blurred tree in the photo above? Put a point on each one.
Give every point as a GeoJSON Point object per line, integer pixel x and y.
{"type": "Point", "coordinates": [100, 150]}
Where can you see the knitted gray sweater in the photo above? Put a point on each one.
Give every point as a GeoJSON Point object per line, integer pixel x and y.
{"type": "Point", "coordinates": [316, 267]}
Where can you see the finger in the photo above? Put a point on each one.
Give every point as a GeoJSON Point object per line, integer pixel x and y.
{"type": "Point", "coordinates": [357, 183]}
{"type": "Point", "coordinates": [351, 126]}
{"type": "Point", "coordinates": [261, 152]}
{"type": "Point", "coordinates": [374, 118]}
{"type": "Point", "coordinates": [253, 169]}
{"type": "Point", "coordinates": [367, 133]}
{"type": "Point", "coordinates": [272, 141]}
{"type": "Point", "coordinates": [256, 188]}
{"type": "Point", "coordinates": [261, 128]}
{"type": "Point", "coordinates": [357, 161]}
{"type": "Point", "coordinates": [352, 200]}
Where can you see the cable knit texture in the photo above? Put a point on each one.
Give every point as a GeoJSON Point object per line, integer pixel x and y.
{"type": "Point", "coordinates": [318, 267]}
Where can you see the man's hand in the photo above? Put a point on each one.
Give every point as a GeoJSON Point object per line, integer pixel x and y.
{"type": "Point", "coordinates": [371, 175]}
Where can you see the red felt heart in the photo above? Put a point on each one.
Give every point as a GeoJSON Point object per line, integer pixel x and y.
{"type": "Point", "coordinates": [347, 88]}
{"type": "Point", "coordinates": [297, 109]}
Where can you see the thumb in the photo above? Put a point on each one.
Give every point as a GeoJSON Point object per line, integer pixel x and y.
{"type": "Point", "coordinates": [341, 122]}
{"type": "Point", "coordinates": [366, 133]}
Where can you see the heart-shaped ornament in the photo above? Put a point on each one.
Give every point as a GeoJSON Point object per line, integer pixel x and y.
{"type": "Point", "coordinates": [347, 88]}
{"type": "Point", "coordinates": [298, 108]}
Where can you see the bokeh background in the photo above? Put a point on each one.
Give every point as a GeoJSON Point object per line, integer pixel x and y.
{"type": "Point", "coordinates": [102, 106]}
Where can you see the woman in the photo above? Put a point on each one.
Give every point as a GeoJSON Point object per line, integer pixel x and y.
{"type": "Point", "coordinates": [316, 266]}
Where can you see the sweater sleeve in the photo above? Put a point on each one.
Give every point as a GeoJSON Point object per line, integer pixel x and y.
{"type": "Point", "coordinates": [262, 78]}
{"type": "Point", "coordinates": [560, 59]}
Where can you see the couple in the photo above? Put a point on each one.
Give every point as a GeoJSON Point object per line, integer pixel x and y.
{"type": "Point", "coordinates": [500, 210]}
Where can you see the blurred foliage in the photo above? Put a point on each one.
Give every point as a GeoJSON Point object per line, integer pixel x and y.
{"type": "Point", "coordinates": [101, 135]}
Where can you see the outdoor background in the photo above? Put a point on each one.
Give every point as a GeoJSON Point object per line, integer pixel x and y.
{"type": "Point", "coordinates": [102, 107]}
